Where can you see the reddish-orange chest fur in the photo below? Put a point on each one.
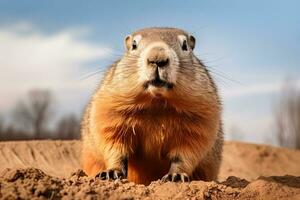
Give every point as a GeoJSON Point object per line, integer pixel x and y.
{"type": "Point", "coordinates": [150, 134]}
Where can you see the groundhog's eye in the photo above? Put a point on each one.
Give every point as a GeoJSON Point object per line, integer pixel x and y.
{"type": "Point", "coordinates": [134, 45]}
{"type": "Point", "coordinates": [184, 45]}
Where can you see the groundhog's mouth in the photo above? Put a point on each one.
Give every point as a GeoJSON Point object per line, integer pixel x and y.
{"type": "Point", "coordinates": [157, 82]}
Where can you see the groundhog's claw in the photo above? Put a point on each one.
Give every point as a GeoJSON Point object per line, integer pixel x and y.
{"type": "Point", "coordinates": [111, 174]}
{"type": "Point", "coordinates": [176, 177]}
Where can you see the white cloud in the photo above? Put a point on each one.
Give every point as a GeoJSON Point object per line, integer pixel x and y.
{"type": "Point", "coordinates": [264, 88]}
{"type": "Point", "coordinates": [246, 127]}
{"type": "Point", "coordinates": [31, 59]}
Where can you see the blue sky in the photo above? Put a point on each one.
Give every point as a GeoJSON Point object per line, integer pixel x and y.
{"type": "Point", "coordinates": [254, 45]}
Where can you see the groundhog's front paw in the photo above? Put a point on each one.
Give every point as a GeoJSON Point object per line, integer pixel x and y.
{"type": "Point", "coordinates": [176, 177]}
{"type": "Point", "coordinates": [111, 174]}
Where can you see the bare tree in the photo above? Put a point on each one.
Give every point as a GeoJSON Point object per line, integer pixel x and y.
{"type": "Point", "coordinates": [287, 114]}
{"type": "Point", "coordinates": [1, 124]}
{"type": "Point", "coordinates": [33, 113]}
{"type": "Point", "coordinates": [68, 127]}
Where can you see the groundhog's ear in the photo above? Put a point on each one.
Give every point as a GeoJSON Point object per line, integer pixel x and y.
{"type": "Point", "coordinates": [128, 41]}
{"type": "Point", "coordinates": [192, 42]}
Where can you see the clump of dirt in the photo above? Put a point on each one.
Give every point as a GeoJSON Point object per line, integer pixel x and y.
{"type": "Point", "coordinates": [31, 183]}
{"type": "Point", "coordinates": [27, 183]}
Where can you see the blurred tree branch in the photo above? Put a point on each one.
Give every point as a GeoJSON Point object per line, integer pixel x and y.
{"type": "Point", "coordinates": [69, 127]}
{"type": "Point", "coordinates": [1, 124]}
{"type": "Point", "coordinates": [287, 113]}
{"type": "Point", "coordinates": [33, 113]}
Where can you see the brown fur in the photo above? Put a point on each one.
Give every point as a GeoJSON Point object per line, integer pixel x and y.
{"type": "Point", "coordinates": [122, 121]}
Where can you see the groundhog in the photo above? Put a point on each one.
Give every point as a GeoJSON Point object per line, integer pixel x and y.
{"type": "Point", "coordinates": [156, 114]}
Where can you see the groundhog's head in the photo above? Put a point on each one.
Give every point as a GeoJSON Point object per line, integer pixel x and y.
{"type": "Point", "coordinates": [160, 63]}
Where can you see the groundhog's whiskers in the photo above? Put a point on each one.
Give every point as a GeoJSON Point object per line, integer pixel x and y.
{"type": "Point", "coordinates": [90, 74]}
{"type": "Point", "coordinates": [222, 75]}
{"type": "Point", "coordinates": [102, 70]}
{"type": "Point", "coordinates": [219, 75]}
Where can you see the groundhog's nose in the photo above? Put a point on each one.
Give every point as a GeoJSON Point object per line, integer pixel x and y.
{"type": "Point", "coordinates": [158, 62]}
{"type": "Point", "coordinates": [158, 57]}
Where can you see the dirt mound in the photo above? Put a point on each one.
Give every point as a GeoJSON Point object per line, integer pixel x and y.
{"type": "Point", "coordinates": [60, 158]}
{"type": "Point", "coordinates": [249, 161]}
{"type": "Point", "coordinates": [43, 170]}
{"type": "Point", "coordinates": [33, 183]}
{"type": "Point", "coordinates": [57, 158]}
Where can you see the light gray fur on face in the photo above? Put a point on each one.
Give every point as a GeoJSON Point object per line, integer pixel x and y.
{"type": "Point", "coordinates": [160, 44]}
{"type": "Point", "coordinates": [184, 71]}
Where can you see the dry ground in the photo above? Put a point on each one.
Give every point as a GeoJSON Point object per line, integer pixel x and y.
{"type": "Point", "coordinates": [50, 170]}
